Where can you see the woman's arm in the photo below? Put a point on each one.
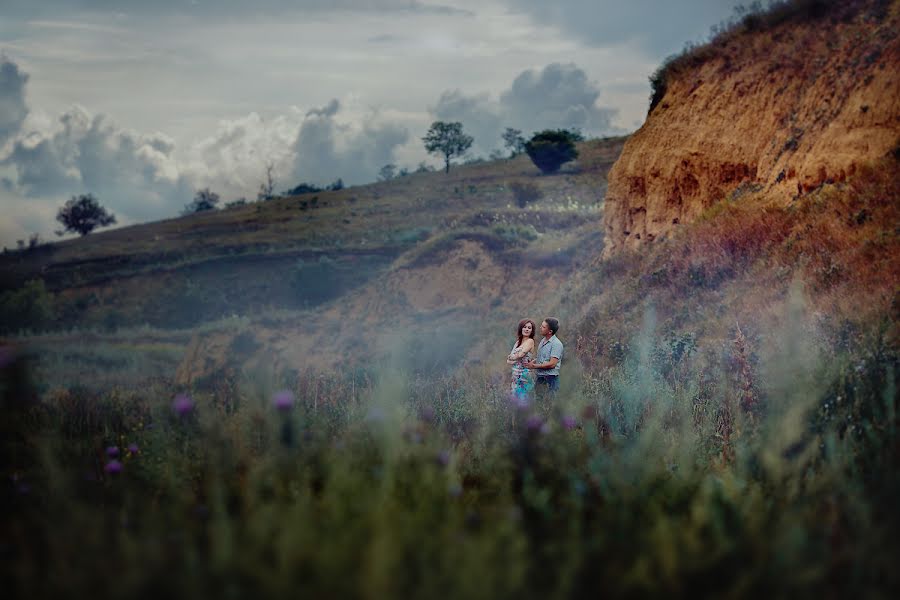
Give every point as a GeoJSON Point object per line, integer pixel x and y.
{"type": "Point", "coordinates": [517, 353]}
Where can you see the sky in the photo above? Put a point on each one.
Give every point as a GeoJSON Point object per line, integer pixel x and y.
{"type": "Point", "coordinates": [143, 103]}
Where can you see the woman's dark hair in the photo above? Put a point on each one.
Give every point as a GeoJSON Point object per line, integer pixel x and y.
{"type": "Point", "coordinates": [553, 324]}
{"type": "Point", "coordinates": [522, 324]}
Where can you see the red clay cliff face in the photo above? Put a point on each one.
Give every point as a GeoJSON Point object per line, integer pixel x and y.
{"type": "Point", "coordinates": [783, 110]}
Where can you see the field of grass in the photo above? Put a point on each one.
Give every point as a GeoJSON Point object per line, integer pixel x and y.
{"type": "Point", "coordinates": [675, 473]}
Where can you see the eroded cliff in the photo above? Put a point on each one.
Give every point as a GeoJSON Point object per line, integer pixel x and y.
{"type": "Point", "coordinates": [783, 103]}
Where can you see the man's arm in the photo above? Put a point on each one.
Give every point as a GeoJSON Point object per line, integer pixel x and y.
{"type": "Point", "coordinates": [546, 365]}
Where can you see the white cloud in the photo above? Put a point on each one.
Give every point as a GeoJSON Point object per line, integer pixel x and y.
{"type": "Point", "coordinates": [13, 109]}
{"type": "Point", "coordinates": [327, 148]}
{"type": "Point", "coordinates": [557, 96]}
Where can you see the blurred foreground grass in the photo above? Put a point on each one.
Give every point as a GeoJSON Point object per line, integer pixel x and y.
{"type": "Point", "coordinates": [672, 473]}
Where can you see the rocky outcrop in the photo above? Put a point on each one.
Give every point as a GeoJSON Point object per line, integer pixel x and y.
{"type": "Point", "coordinates": [781, 108]}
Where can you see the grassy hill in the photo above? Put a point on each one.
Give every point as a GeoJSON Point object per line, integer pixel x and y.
{"type": "Point", "coordinates": [309, 395]}
{"type": "Point", "coordinates": [429, 247]}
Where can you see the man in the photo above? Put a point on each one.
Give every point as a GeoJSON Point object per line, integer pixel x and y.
{"type": "Point", "coordinates": [549, 356]}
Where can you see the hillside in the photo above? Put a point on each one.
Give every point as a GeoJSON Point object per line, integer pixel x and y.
{"type": "Point", "coordinates": [416, 254]}
{"type": "Point", "coordinates": [784, 103]}
{"type": "Point", "coordinates": [764, 182]}
{"type": "Point", "coordinates": [761, 196]}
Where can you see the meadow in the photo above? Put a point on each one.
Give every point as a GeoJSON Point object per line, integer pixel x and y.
{"type": "Point", "coordinates": [698, 471]}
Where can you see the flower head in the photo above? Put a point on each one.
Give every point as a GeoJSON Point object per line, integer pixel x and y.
{"type": "Point", "coordinates": [133, 448]}
{"type": "Point", "coordinates": [427, 414]}
{"type": "Point", "coordinates": [283, 400]}
{"type": "Point", "coordinates": [569, 422]}
{"type": "Point", "coordinates": [442, 458]}
{"type": "Point", "coordinates": [112, 451]}
{"type": "Point", "coordinates": [113, 467]}
{"type": "Point", "coordinates": [183, 405]}
{"type": "Point", "coordinates": [534, 423]}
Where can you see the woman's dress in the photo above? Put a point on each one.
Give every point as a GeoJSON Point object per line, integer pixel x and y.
{"type": "Point", "coordinates": [522, 382]}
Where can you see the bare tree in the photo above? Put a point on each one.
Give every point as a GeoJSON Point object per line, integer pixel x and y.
{"type": "Point", "coordinates": [267, 187]}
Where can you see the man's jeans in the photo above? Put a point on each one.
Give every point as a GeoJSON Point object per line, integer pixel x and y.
{"type": "Point", "coordinates": [551, 381]}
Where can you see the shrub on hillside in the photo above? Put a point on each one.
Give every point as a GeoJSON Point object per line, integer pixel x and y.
{"type": "Point", "coordinates": [204, 200]}
{"type": "Point", "coordinates": [525, 193]}
{"type": "Point", "coordinates": [31, 307]}
{"type": "Point", "coordinates": [82, 214]}
{"type": "Point", "coordinates": [551, 148]}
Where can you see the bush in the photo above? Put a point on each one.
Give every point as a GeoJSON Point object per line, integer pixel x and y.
{"type": "Point", "coordinates": [550, 149]}
{"type": "Point", "coordinates": [82, 214]}
{"type": "Point", "coordinates": [204, 200]}
{"type": "Point", "coordinates": [29, 307]}
{"type": "Point", "coordinates": [525, 193]}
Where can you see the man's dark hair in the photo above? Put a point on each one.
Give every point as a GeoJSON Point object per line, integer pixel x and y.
{"type": "Point", "coordinates": [553, 324]}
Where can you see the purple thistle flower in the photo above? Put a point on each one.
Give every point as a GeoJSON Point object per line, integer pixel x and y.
{"type": "Point", "coordinates": [113, 467]}
{"type": "Point", "coordinates": [534, 423]}
{"type": "Point", "coordinates": [183, 405]}
{"type": "Point", "coordinates": [7, 355]}
{"type": "Point", "coordinates": [283, 400]}
{"type": "Point", "coordinates": [112, 451]}
{"type": "Point", "coordinates": [133, 448]}
{"type": "Point", "coordinates": [569, 422]}
{"type": "Point", "coordinates": [427, 414]}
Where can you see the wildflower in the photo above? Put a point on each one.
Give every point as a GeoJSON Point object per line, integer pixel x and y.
{"type": "Point", "coordinates": [283, 400]}
{"type": "Point", "coordinates": [7, 355]}
{"type": "Point", "coordinates": [427, 414]}
{"type": "Point", "coordinates": [183, 405]}
{"type": "Point", "coordinates": [442, 458]}
{"type": "Point", "coordinates": [534, 423]}
{"type": "Point", "coordinates": [133, 448]}
{"type": "Point", "coordinates": [113, 467]}
{"type": "Point", "coordinates": [569, 422]}
{"type": "Point", "coordinates": [112, 451]}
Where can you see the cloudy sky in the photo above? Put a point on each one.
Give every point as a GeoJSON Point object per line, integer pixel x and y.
{"type": "Point", "coordinates": [141, 103]}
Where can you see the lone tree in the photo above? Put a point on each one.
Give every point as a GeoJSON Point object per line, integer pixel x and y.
{"type": "Point", "coordinates": [447, 139]}
{"type": "Point", "coordinates": [82, 214]}
{"type": "Point", "coordinates": [550, 148]}
{"type": "Point", "coordinates": [512, 139]}
{"type": "Point", "coordinates": [387, 172]}
{"type": "Point", "coordinates": [204, 200]}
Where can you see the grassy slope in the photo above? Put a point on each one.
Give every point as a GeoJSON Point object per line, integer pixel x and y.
{"type": "Point", "coordinates": [432, 246]}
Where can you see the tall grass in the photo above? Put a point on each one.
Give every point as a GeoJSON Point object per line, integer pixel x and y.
{"type": "Point", "coordinates": [652, 477]}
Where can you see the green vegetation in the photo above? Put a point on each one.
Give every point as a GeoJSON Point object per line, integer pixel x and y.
{"type": "Point", "coordinates": [513, 141]}
{"type": "Point", "coordinates": [447, 140]}
{"type": "Point", "coordinates": [550, 149]}
{"type": "Point", "coordinates": [676, 472]}
{"type": "Point", "coordinates": [83, 214]}
{"type": "Point", "coordinates": [204, 200]}
{"type": "Point", "coordinates": [30, 307]}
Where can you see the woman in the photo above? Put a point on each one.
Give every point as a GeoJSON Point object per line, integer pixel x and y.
{"type": "Point", "coordinates": [522, 383]}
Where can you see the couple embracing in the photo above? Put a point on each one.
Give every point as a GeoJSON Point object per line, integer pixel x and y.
{"type": "Point", "coordinates": [544, 367]}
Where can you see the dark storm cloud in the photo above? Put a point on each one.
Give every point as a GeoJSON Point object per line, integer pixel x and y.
{"type": "Point", "coordinates": [557, 96]}
{"type": "Point", "coordinates": [661, 27]}
{"type": "Point", "coordinates": [13, 109]}
{"type": "Point", "coordinates": [326, 149]}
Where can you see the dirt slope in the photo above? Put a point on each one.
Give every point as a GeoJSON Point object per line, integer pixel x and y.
{"type": "Point", "coordinates": [782, 105]}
